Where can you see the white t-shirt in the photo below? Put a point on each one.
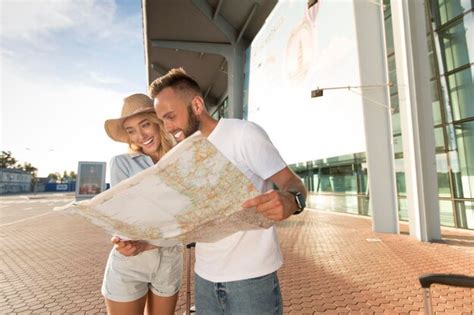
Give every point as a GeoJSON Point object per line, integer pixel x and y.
{"type": "Point", "coordinates": [249, 254]}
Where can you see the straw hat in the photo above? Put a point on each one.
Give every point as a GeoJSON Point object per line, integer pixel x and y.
{"type": "Point", "coordinates": [132, 105]}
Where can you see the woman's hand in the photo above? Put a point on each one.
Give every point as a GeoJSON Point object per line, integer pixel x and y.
{"type": "Point", "coordinates": [130, 248]}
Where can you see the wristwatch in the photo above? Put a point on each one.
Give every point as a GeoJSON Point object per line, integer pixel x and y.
{"type": "Point", "coordinates": [300, 201]}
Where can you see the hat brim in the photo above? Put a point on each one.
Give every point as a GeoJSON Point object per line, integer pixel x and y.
{"type": "Point", "coordinates": [114, 127]}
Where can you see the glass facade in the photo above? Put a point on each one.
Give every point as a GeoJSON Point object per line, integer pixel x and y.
{"type": "Point", "coordinates": [222, 110]}
{"type": "Point", "coordinates": [340, 183]}
{"type": "Point", "coordinates": [451, 38]}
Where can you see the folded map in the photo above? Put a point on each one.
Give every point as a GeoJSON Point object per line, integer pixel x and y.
{"type": "Point", "coordinates": [194, 193]}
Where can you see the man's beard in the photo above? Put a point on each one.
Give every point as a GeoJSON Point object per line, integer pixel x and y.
{"type": "Point", "coordinates": [193, 123]}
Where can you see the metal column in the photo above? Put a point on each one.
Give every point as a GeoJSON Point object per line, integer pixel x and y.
{"type": "Point", "coordinates": [416, 114]}
{"type": "Point", "coordinates": [377, 116]}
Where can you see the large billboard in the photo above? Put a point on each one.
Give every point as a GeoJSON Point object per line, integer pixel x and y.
{"type": "Point", "coordinates": [299, 50]}
{"type": "Point", "coordinates": [90, 179]}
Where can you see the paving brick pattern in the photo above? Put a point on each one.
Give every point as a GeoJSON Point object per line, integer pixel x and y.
{"type": "Point", "coordinates": [53, 264]}
{"type": "Point", "coordinates": [335, 264]}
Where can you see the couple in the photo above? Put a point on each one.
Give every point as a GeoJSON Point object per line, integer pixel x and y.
{"type": "Point", "coordinates": [236, 275]}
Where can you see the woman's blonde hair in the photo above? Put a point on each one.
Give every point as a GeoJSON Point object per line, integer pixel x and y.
{"type": "Point", "coordinates": [166, 140]}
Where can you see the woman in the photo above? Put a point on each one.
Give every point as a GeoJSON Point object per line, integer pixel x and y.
{"type": "Point", "coordinates": [140, 274]}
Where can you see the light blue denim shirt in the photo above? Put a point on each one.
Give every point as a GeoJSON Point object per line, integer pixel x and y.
{"type": "Point", "coordinates": [126, 165]}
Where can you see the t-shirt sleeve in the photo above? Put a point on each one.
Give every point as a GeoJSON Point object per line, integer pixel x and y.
{"type": "Point", "coordinates": [259, 153]}
{"type": "Point", "coordinates": [118, 170]}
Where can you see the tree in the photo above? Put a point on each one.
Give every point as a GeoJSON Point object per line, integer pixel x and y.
{"type": "Point", "coordinates": [54, 177]}
{"type": "Point", "coordinates": [7, 160]}
{"type": "Point", "coordinates": [30, 169]}
{"type": "Point", "coordinates": [68, 177]}
{"type": "Point", "coordinates": [72, 175]}
{"type": "Point", "coordinates": [65, 177]}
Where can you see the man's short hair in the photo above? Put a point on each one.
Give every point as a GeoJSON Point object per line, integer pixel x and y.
{"type": "Point", "coordinates": [177, 79]}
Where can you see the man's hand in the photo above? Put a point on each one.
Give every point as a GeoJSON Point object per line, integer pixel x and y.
{"type": "Point", "coordinates": [278, 205]}
{"type": "Point", "coordinates": [130, 248]}
{"type": "Point", "coordinates": [274, 204]}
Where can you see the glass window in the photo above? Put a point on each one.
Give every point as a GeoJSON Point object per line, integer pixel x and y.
{"type": "Point", "coordinates": [392, 74]}
{"type": "Point", "coordinates": [443, 175]}
{"type": "Point", "coordinates": [345, 204]}
{"type": "Point", "coordinates": [324, 184]}
{"type": "Point", "coordinates": [446, 213]}
{"type": "Point", "coordinates": [315, 182]}
{"type": "Point", "coordinates": [402, 209]}
{"type": "Point", "coordinates": [456, 173]}
{"type": "Point", "coordinates": [432, 56]}
{"type": "Point", "coordinates": [396, 128]}
{"type": "Point", "coordinates": [400, 177]}
{"type": "Point", "coordinates": [225, 109]}
{"type": "Point", "coordinates": [363, 179]}
{"type": "Point", "coordinates": [364, 205]}
{"type": "Point", "coordinates": [451, 137]}
{"type": "Point", "coordinates": [439, 139]}
{"type": "Point", "coordinates": [435, 103]}
{"type": "Point", "coordinates": [427, 21]}
{"type": "Point", "coordinates": [397, 144]}
{"type": "Point", "coordinates": [464, 178]}
{"type": "Point", "coordinates": [457, 43]}
{"type": "Point", "coordinates": [465, 214]}
{"type": "Point", "coordinates": [350, 204]}
{"type": "Point", "coordinates": [394, 103]}
{"type": "Point", "coordinates": [461, 93]}
{"type": "Point", "coordinates": [389, 33]}
{"type": "Point", "coordinates": [339, 179]}
{"type": "Point", "coordinates": [222, 110]}
{"type": "Point", "coordinates": [445, 10]}
{"type": "Point", "coordinates": [343, 180]}
{"type": "Point", "coordinates": [446, 100]}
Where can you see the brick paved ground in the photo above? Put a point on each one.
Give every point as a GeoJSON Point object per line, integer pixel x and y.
{"type": "Point", "coordinates": [334, 264]}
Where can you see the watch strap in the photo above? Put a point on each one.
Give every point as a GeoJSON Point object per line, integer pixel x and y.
{"type": "Point", "coordinates": [299, 200]}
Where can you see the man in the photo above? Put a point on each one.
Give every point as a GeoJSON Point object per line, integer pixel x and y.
{"type": "Point", "coordinates": [236, 275]}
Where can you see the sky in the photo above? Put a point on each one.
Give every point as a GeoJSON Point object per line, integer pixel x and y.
{"type": "Point", "coordinates": [65, 66]}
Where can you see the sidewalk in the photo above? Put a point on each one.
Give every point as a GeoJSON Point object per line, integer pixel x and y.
{"type": "Point", "coordinates": [334, 264]}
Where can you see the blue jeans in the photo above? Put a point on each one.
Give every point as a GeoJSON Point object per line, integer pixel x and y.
{"type": "Point", "coordinates": [259, 295]}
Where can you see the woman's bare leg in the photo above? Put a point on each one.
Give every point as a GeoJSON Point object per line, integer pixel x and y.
{"type": "Point", "coordinates": [159, 305]}
{"type": "Point", "coordinates": [126, 308]}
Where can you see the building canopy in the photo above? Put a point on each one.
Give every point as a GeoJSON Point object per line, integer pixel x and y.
{"type": "Point", "coordinates": [193, 33]}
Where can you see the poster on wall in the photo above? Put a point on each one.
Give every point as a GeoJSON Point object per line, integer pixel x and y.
{"type": "Point", "coordinates": [90, 179]}
{"type": "Point", "coordinates": [300, 49]}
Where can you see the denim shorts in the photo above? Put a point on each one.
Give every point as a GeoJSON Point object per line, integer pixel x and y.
{"type": "Point", "coordinates": [129, 278]}
{"type": "Point", "coordinates": [259, 295]}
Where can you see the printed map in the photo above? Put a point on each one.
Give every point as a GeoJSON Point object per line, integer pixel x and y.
{"type": "Point", "coordinates": [192, 194]}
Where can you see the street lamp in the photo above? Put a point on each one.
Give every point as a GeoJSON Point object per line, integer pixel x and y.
{"type": "Point", "coordinates": [319, 92]}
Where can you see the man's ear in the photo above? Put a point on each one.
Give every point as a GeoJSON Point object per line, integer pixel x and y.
{"type": "Point", "coordinates": [197, 105]}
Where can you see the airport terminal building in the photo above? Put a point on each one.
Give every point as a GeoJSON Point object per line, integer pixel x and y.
{"type": "Point", "coordinates": [370, 102]}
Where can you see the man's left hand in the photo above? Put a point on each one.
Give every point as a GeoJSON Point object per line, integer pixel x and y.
{"type": "Point", "coordinates": [274, 204]}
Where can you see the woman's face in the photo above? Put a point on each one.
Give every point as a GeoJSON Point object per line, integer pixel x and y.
{"type": "Point", "coordinates": [143, 133]}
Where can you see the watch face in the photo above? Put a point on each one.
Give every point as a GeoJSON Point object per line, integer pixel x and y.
{"type": "Point", "coordinates": [300, 200]}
